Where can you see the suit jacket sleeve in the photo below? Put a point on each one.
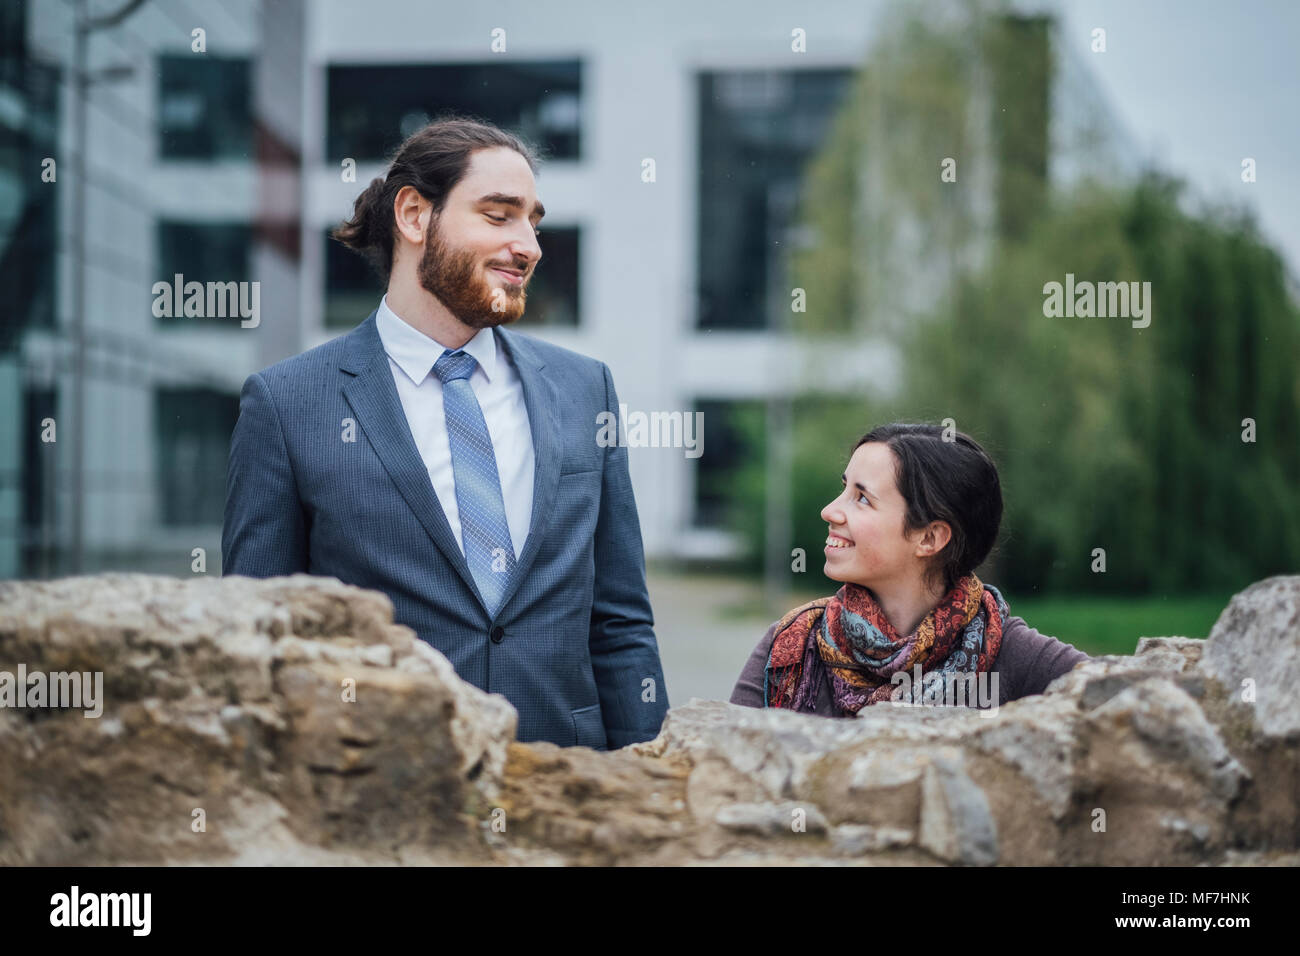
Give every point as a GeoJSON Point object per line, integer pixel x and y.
{"type": "Point", "coordinates": [265, 528]}
{"type": "Point", "coordinates": [622, 642]}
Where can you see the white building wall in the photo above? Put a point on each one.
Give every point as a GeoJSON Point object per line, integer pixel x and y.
{"type": "Point", "coordinates": [638, 254]}
{"type": "Point", "coordinates": [638, 240]}
{"type": "Point", "coordinates": [127, 191]}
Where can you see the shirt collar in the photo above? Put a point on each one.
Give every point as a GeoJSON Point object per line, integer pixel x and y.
{"type": "Point", "coordinates": [415, 353]}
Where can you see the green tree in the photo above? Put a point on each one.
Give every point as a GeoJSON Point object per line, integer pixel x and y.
{"type": "Point", "coordinates": [1106, 435]}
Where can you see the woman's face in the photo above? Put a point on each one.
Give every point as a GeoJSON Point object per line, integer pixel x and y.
{"type": "Point", "coordinates": [866, 544]}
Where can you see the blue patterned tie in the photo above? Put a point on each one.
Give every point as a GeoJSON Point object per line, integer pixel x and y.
{"type": "Point", "coordinates": [485, 535]}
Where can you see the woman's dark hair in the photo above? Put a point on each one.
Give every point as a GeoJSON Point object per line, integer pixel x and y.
{"type": "Point", "coordinates": [432, 161]}
{"type": "Point", "coordinates": [952, 480]}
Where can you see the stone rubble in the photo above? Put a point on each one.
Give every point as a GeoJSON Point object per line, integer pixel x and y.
{"type": "Point", "coordinates": [290, 721]}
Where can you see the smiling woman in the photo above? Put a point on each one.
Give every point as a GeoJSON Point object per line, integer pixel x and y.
{"type": "Point", "coordinates": [920, 510]}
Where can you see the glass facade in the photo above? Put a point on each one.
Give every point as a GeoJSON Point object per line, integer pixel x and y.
{"type": "Point", "coordinates": [553, 289]}
{"type": "Point", "coordinates": [352, 290]}
{"type": "Point", "coordinates": [29, 183]}
{"type": "Point", "coordinates": [203, 107]}
{"type": "Point", "coordinates": [202, 252]}
{"type": "Point", "coordinates": [28, 126]}
{"type": "Point", "coordinates": [193, 428]}
{"type": "Point", "coordinates": [735, 429]}
{"type": "Point", "coordinates": [757, 132]}
{"type": "Point", "coordinates": [371, 109]}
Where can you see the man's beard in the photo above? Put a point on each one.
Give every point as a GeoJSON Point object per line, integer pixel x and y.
{"type": "Point", "coordinates": [452, 276]}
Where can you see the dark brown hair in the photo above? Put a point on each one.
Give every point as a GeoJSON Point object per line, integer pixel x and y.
{"type": "Point", "coordinates": [953, 481]}
{"type": "Point", "coordinates": [432, 161]}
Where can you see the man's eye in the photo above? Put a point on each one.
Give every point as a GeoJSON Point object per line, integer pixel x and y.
{"type": "Point", "coordinates": [496, 218]}
{"type": "Point", "coordinates": [863, 498]}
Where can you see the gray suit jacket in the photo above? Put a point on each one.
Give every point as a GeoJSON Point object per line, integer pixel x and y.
{"type": "Point", "coordinates": [573, 645]}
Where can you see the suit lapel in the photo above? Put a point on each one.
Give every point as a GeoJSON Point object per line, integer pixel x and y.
{"type": "Point", "coordinates": [373, 398]}
{"type": "Point", "coordinates": [542, 402]}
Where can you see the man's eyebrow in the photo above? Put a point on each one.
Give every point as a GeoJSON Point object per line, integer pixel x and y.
{"type": "Point", "coordinates": [517, 201]}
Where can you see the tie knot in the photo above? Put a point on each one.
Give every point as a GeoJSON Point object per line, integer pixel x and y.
{"type": "Point", "coordinates": [452, 366]}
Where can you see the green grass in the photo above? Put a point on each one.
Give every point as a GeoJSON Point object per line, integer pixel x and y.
{"type": "Point", "coordinates": [1112, 625]}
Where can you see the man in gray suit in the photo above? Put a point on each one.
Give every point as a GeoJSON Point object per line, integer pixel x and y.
{"type": "Point", "coordinates": [455, 465]}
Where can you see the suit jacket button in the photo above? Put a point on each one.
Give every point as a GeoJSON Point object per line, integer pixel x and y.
{"type": "Point", "coordinates": [498, 634]}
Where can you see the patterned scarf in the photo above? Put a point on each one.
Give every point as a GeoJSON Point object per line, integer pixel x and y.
{"type": "Point", "coordinates": [849, 636]}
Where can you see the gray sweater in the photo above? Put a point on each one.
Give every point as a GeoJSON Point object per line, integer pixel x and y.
{"type": "Point", "coordinates": [1027, 662]}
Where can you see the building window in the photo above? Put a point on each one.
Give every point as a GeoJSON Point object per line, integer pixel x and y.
{"type": "Point", "coordinates": [193, 428]}
{"type": "Point", "coordinates": [736, 437]}
{"type": "Point", "coordinates": [216, 252]}
{"type": "Point", "coordinates": [372, 109]}
{"type": "Point", "coordinates": [758, 130]}
{"type": "Point", "coordinates": [203, 107]}
{"type": "Point", "coordinates": [353, 291]}
{"type": "Point", "coordinates": [29, 124]}
{"type": "Point", "coordinates": [38, 457]}
{"type": "Point", "coordinates": [553, 289]}
{"type": "Point", "coordinates": [38, 529]}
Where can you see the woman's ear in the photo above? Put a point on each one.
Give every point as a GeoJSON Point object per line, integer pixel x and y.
{"type": "Point", "coordinates": [933, 539]}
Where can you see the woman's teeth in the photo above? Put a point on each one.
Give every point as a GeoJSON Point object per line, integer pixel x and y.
{"type": "Point", "coordinates": [838, 543]}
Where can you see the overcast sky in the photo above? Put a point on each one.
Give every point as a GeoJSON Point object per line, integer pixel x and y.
{"type": "Point", "coordinates": [1200, 85]}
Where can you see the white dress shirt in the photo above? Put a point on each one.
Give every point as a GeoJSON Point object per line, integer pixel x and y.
{"type": "Point", "coordinates": [496, 385]}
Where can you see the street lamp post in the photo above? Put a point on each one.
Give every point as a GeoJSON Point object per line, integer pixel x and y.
{"type": "Point", "coordinates": [84, 26]}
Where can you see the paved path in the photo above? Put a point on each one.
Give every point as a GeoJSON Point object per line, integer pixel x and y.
{"type": "Point", "coordinates": [707, 627]}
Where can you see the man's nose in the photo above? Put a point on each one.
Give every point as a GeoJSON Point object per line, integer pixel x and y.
{"type": "Point", "coordinates": [524, 245]}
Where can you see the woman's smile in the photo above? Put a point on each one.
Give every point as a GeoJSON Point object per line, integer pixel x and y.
{"type": "Point", "coordinates": [834, 542]}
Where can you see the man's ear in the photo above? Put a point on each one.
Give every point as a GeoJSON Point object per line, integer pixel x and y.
{"type": "Point", "coordinates": [411, 213]}
{"type": "Point", "coordinates": [934, 538]}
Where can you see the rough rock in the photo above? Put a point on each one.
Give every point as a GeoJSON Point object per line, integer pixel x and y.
{"type": "Point", "coordinates": [291, 721]}
{"type": "Point", "coordinates": [226, 728]}
{"type": "Point", "coordinates": [1254, 652]}
{"type": "Point", "coordinates": [956, 824]}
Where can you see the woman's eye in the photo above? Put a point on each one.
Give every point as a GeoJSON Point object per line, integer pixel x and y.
{"type": "Point", "coordinates": [863, 498]}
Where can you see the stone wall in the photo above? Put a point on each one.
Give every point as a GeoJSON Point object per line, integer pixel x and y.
{"type": "Point", "coordinates": [291, 721]}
